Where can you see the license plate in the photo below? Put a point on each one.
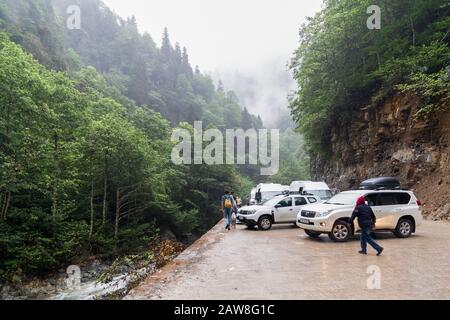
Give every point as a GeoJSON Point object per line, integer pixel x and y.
{"type": "Point", "coordinates": [304, 221]}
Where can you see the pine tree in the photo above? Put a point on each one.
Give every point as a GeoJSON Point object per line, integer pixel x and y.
{"type": "Point", "coordinates": [186, 66]}
{"type": "Point", "coordinates": [166, 47]}
{"type": "Point", "coordinates": [247, 121]}
{"type": "Point", "coordinates": [178, 54]}
{"type": "Point", "coordinates": [220, 87]}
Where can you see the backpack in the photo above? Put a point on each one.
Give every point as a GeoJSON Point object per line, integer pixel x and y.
{"type": "Point", "coordinates": [227, 203]}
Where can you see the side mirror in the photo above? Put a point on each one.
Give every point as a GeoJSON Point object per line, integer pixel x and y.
{"type": "Point", "coordinates": [278, 206]}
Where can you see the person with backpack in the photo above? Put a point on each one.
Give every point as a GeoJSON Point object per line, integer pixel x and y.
{"type": "Point", "coordinates": [366, 221]}
{"type": "Point", "coordinates": [227, 209]}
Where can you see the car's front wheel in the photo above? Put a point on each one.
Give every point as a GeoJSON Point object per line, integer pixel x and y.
{"type": "Point", "coordinates": [313, 234]}
{"type": "Point", "coordinates": [341, 232]}
{"type": "Point", "coordinates": [404, 228]}
{"type": "Point", "coordinates": [265, 223]}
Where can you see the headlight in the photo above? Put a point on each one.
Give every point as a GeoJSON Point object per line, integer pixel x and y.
{"type": "Point", "coordinates": [246, 212]}
{"type": "Point", "coordinates": [323, 214]}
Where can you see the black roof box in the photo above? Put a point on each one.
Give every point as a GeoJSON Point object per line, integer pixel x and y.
{"type": "Point", "coordinates": [380, 183]}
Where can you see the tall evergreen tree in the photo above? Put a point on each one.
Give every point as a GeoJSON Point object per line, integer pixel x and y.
{"type": "Point", "coordinates": [166, 47]}
{"type": "Point", "coordinates": [186, 65]}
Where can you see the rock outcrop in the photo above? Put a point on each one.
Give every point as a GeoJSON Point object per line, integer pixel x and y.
{"type": "Point", "coordinates": [389, 141]}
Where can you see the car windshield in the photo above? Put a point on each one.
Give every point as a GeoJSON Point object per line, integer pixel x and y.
{"type": "Point", "coordinates": [322, 194]}
{"type": "Point", "coordinates": [344, 199]}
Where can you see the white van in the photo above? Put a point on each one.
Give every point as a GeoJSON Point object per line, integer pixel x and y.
{"type": "Point", "coordinates": [252, 199]}
{"type": "Point", "coordinates": [319, 189]}
{"type": "Point", "coordinates": [267, 191]}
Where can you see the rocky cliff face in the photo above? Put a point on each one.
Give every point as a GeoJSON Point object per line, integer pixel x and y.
{"type": "Point", "coordinates": [389, 141]}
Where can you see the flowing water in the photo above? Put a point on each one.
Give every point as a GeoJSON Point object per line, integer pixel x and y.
{"type": "Point", "coordinates": [93, 290]}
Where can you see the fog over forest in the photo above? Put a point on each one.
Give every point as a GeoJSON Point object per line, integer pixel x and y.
{"type": "Point", "coordinates": [248, 50]}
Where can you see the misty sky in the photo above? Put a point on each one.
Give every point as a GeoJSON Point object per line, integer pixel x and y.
{"type": "Point", "coordinates": [231, 39]}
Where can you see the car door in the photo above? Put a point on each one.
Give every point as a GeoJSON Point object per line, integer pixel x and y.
{"type": "Point", "coordinates": [283, 210]}
{"type": "Point", "coordinates": [299, 203]}
{"type": "Point", "coordinates": [385, 210]}
{"type": "Point", "coordinates": [401, 209]}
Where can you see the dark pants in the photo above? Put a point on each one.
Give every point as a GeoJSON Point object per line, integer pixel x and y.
{"type": "Point", "coordinates": [367, 238]}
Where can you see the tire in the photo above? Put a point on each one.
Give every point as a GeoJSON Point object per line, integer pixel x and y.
{"type": "Point", "coordinates": [265, 223]}
{"type": "Point", "coordinates": [313, 234]}
{"type": "Point", "coordinates": [341, 232]}
{"type": "Point", "coordinates": [404, 228]}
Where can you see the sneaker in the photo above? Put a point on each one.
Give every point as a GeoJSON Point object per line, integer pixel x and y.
{"type": "Point", "coordinates": [362, 252]}
{"type": "Point", "coordinates": [380, 251]}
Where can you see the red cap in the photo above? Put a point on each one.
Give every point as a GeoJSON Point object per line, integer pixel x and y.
{"type": "Point", "coordinates": [361, 200]}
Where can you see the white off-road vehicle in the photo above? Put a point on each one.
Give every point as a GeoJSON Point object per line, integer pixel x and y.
{"type": "Point", "coordinates": [396, 210]}
{"type": "Point", "coordinates": [281, 209]}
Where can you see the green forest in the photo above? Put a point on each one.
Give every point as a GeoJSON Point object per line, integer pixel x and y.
{"type": "Point", "coordinates": [85, 128]}
{"type": "Point", "coordinates": [87, 117]}
{"type": "Point", "coordinates": [342, 66]}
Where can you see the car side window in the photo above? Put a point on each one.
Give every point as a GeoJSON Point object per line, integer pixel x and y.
{"type": "Point", "coordinates": [387, 199]}
{"type": "Point", "coordinates": [286, 202]}
{"type": "Point", "coordinates": [372, 200]}
{"type": "Point", "coordinates": [403, 198]}
{"type": "Point", "coordinates": [312, 200]}
{"type": "Point", "coordinates": [300, 201]}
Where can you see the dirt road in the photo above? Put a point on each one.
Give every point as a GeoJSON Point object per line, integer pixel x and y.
{"type": "Point", "coordinates": [285, 264]}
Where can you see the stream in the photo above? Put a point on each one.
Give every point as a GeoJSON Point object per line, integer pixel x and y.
{"type": "Point", "coordinates": [79, 284]}
{"type": "Point", "coordinates": [93, 290]}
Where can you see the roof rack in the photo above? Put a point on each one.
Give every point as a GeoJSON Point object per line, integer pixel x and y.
{"type": "Point", "coordinates": [380, 183]}
{"type": "Point", "coordinates": [390, 189]}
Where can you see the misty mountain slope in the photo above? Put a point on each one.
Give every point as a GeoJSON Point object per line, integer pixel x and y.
{"type": "Point", "coordinates": [160, 78]}
{"type": "Point", "coordinates": [35, 26]}
{"type": "Point", "coordinates": [263, 91]}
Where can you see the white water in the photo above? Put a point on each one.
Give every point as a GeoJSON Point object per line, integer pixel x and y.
{"type": "Point", "coordinates": [93, 290]}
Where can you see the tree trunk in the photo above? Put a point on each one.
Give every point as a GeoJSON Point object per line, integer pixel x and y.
{"type": "Point", "coordinates": [105, 190]}
{"type": "Point", "coordinates": [378, 60]}
{"type": "Point", "coordinates": [116, 224]}
{"type": "Point", "coordinates": [91, 226]}
{"type": "Point", "coordinates": [55, 178]}
{"type": "Point", "coordinates": [5, 206]}
{"type": "Point", "coordinates": [1, 205]}
{"type": "Point", "coordinates": [413, 31]}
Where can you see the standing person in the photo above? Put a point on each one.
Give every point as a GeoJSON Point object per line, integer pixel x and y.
{"type": "Point", "coordinates": [238, 202]}
{"type": "Point", "coordinates": [366, 221]}
{"type": "Point", "coordinates": [234, 211]}
{"type": "Point", "coordinates": [233, 198]}
{"type": "Point", "coordinates": [227, 207]}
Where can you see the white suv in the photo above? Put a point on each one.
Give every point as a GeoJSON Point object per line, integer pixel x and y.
{"type": "Point", "coordinates": [396, 210]}
{"type": "Point", "coordinates": [281, 209]}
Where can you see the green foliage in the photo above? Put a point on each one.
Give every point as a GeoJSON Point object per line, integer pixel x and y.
{"type": "Point", "coordinates": [31, 243]}
{"type": "Point", "coordinates": [294, 160]}
{"type": "Point", "coordinates": [85, 155]}
{"type": "Point", "coordinates": [342, 66]}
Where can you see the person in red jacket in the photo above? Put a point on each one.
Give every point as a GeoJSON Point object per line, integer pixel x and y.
{"type": "Point", "coordinates": [366, 221]}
